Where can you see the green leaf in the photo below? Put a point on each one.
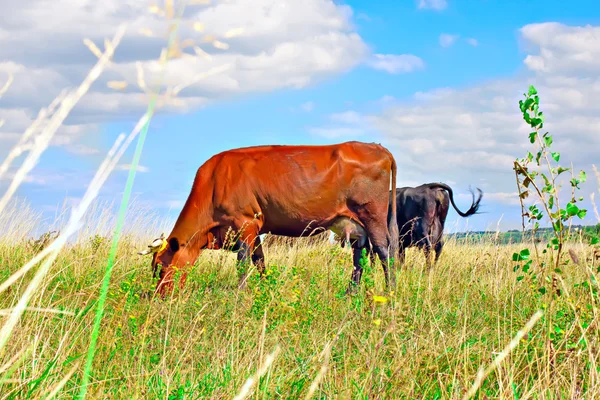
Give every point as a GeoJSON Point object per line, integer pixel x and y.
{"type": "Point", "coordinates": [595, 240]}
{"type": "Point", "coordinates": [582, 177]}
{"type": "Point", "coordinates": [542, 290]}
{"type": "Point", "coordinates": [532, 90]}
{"type": "Point", "coordinates": [582, 213]}
{"type": "Point", "coordinates": [520, 278]}
{"type": "Point", "coordinates": [558, 227]}
{"type": "Point", "coordinates": [548, 140]}
{"type": "Point", "coordinates": [524, 254]}
{"type": "Point", "coordinates": [572, 209]}
{"type": "Point", "coordinates": [556, 156]}
{"type": "Point", "coordinates": [527, 266]}
{"type": "Point", "coordinates": [532, 137]}
{"type": "Point", "coordinates": [515, 257]}
{"type": "Point", "coordinates": [536, 122]}
{"type": "Point", "coordinates": [561, 170]}
{"type": "Point", "coordinates": [551, 202]}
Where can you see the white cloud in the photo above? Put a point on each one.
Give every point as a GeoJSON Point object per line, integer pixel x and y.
{"type": "Point", "coordinates": [348, 117]}
{"type": "Point", "coordinates": [473, 42]}
{"type": "Point", "coordinates": [348, 124]}
{"type": "Point", "coordinates": [511, 198]}
{"type": "Point", "coordinates": [447, 40]}
{"type": "Point", "coordinates": [472, 135]}
{"type": "Point", "coordinates": [437, 5]}
{"type": "Point", "coordinates": [396, 63]}
{"type": "Point", "coordinates": [283, 45]}
{"type": "Point", "coordinates": [562, 49]}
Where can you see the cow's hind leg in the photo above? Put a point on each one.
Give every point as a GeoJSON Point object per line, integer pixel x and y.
{"type": "Point", "coordinates": [380, 246]}
{"type": "Point", "coordinates": [438, 234]}
{"type": "Point", "coordinates": [424, 239]}
{"type": "Point", "coordinates": [380, 241]}
{"type": "Point", "coordinates": [357, 261]}
{"type": "Point", "coordinates": [438, 250]}
{"type": "Point", "coordinates": [426, 246]}
{"type": "Point", "coordinates": [371, 253]}
{"type": "Point", "coordinates": [401, 255]}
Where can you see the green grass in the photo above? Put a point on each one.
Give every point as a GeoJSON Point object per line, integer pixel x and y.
{"type": "Point", "coordinates": [428, 341]}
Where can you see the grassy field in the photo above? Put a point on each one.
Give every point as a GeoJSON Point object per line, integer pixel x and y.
{"type": "Point", "coordinates": [426, 340]}
{"type": "Point", "coordinates": [292, 334]}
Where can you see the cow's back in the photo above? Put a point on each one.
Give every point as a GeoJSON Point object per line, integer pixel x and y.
{"type": "Point", "coordinates": [293, 185]}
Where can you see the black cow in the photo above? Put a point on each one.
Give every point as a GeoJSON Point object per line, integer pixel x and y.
{"type": "Point", "coordinates": [421, 215]}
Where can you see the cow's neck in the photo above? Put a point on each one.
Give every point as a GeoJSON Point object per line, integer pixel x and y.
{"type": "Point", "coordinates": [191, 230]}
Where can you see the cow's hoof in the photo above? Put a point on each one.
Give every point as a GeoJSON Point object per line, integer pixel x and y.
{"type": "Point", "coordinates": [352, 290]}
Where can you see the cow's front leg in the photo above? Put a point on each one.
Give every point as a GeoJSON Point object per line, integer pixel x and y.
{"type": "Point", "coordinates": [258, 257]}
{"type": "Point", "coordinates": [247, 240]}
{"type": "Point", "coordinates": [243, 262]}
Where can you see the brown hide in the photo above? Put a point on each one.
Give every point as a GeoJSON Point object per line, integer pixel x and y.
{"type": "Point", "coordinates": [283, 190]}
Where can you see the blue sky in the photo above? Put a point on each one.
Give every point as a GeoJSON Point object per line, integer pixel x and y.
{"type": "Point", "coordinates": [484, 45]}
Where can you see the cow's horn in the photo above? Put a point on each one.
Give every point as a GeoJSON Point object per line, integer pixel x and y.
{"type": "Point", "coordinates": [155, 248]}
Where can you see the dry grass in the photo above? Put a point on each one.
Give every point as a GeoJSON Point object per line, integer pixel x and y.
{"type": "Point", "coordinates": [428, 341]}
{"type": "Point", "coordinates": [290, 335]}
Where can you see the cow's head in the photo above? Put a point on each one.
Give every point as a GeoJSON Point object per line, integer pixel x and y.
{"type": "Point", "coordinates": [159, 248]}
{"type": "Point", "coordinates": [167, 256]}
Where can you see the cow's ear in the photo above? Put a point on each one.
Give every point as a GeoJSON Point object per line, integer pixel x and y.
{"type": "Point", "coordinates": [174, 244]}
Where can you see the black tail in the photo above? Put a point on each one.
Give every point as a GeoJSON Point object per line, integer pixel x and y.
{"type": "Point", "coordinates": [474, 204]}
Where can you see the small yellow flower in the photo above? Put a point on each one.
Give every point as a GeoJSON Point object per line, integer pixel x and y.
{"type": "Point", "coordinates": [380, 299]}
{"type": "Point", "coordinates": [377, 321]}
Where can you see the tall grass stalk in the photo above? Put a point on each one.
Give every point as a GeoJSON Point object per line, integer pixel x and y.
{"type": "Point", "coordinates": [66, 105]}
{"type": "Point", "coordinates": [41, 143]}
{"type": "Point", "coordinates": [173, 32]}
{"type": "Point", "coordinates": [145, 122]}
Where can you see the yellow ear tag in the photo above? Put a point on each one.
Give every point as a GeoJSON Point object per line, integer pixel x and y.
{"type": "Point", "coordinates": [162, 246]}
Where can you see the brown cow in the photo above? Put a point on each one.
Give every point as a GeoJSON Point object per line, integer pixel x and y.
{"type": "Point", "coordinates": [284, 190]}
